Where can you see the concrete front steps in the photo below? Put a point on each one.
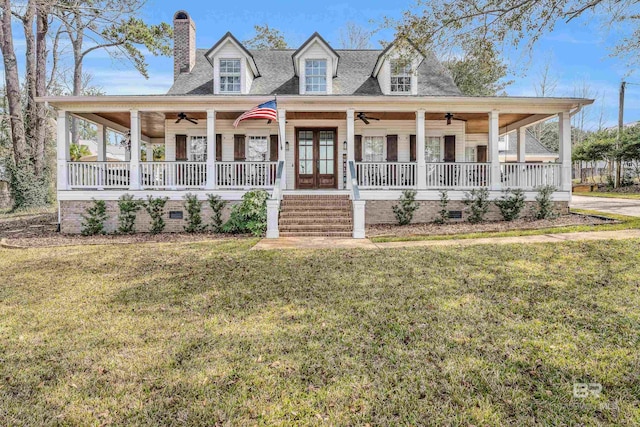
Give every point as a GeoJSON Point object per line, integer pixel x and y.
{"type": "Point", "coordinates": [315, 215]}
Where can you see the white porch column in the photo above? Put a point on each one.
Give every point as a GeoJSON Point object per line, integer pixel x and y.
{"type": "Point", "coordinates": [351, 136]}
{"type": "Point", "coordinates": [420, 140]}
{"type": "Point", "coordinates": [62, 146]}
{"type": "Point", "coordinates": [211, 150]}
{"type": "Point", "coordinates": [494, 150]}
{"type": "Point", "coordinates": [134, 163]}
{"type": "Point", "coordinates": [101, 142]}
{"type": "Point", "coordinates": [565, 150]}
{"type": "Point", "coordinates": [522, 138]}
{"type": "Point", "coordinates": [282, 147]}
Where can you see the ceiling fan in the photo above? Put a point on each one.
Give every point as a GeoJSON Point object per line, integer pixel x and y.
{"type": "Point", "coordinates": [363, 116]}
{"type": "Point", "coordinates": [183, 116]}
{"type": "Point", "coordinates": [450, 117]}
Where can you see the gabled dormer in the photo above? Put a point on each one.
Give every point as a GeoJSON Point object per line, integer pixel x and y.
{"type": "Point", "coordinates": [316, 64]}
{"type": "Point", "coordinates": [234, 67]}
{"type": "Point", "coordinates": [397, 68]}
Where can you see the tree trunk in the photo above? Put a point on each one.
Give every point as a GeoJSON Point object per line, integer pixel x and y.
{"type": "Point", "coordinates": [40, 135]}
{"type": "Point", "coordinates": [77, 82]}
{"type": "Point", "coordinates": [12, 83]}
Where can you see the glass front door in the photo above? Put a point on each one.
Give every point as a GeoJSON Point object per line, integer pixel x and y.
{"type": "Point", "coordinates": [316, 158]}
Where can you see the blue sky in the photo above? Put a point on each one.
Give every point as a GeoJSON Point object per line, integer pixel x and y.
{"type": "Point", "coordinates": [578, 53]}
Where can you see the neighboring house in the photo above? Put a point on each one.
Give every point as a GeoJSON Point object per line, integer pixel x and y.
{"type": "Point", "coordinates": [112, 152]}
{"type": "Point", "coordinates": [355, 128]}
{"type": "Point", "coordinates": [534, 150]}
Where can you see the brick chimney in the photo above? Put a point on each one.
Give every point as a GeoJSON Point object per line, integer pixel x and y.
{"type": "Point", "coordinates": [184, 43]}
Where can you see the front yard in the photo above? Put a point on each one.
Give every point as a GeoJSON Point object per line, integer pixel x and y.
{"type": "Point", "coordinates": [215, 334]}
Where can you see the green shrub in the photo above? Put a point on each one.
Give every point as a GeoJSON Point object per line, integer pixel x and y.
{"type": "Point", "coordinates": [250, 215]}
{"type": "Point", "coordinates": [217, 205]}
{"type": "Point", "coordinates": [193, 206]}
{"type": "Point", "coordinates": [478, 204]}
{"type": "Point", "coordinates": [127, 216]}
{"type": "Point", "coordinates": [443, 213]}
{"type": "Point", "coordinates": [408, 205]}
{"type": "Point", "coordinates": [511, 204]}
{"type": "Point", "coordinates": [155, 209]}
{"type": "Point", "coordinates": [544, 207]}
{"type": "Point", "coordinates": [94, 218]}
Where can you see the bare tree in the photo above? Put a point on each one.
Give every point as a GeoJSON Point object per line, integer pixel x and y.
{"type": "Point", "coordinates": [353, 36]}
{"type": "Point", "coordinates": [545, 84]}
{"type": "Point", "coordinates": [12, 84]}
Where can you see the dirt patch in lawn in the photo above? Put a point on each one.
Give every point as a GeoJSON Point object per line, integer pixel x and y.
{"type": "Point", "coordinates": [41, 231]}
{"type": "Point", "coordinates": [431, 229]}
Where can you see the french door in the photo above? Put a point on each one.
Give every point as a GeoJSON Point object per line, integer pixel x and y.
{"type": "Point", "coordinates": [316, 158]}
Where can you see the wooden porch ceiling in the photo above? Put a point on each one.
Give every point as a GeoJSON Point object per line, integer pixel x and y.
{"type": "Point", "coordinates": [152, 123]}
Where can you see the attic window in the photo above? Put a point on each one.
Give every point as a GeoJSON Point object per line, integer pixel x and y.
{"type": "Point", "coordinates": [230, 76]}
{"type": "Point", "coordinates": [315, 73]}
{"type": "Point", "coordinates": [400, 76]}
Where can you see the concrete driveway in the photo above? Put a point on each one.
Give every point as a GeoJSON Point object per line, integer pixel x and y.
{"type": "Point", "coordinates": [627, 207]}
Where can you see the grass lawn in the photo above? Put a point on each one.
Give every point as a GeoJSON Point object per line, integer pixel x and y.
{"type": "Point", "coordinates": [214, 334]}
{"type": "Point", "coordinates": [625, 223]}
{"type": "Point", "coordinates": [612, 195]}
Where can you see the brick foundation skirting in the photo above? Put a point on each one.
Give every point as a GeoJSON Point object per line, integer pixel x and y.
{"type": "Point", "coordinates": [71, 216]}
{"type": "Point", "coordinates": [381, 211]}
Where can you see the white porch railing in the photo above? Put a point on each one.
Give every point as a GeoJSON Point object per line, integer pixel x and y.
{"type": "Point", "coordinates": [246, 174]}
{"type": "Point", "coordinates": [173, 174]}
{"type": "Point", "coordinates": [386, 175]}
{"type": "Point", "coordinates": [458, 175]}
{"type": "Point", "coordinates": [98, 174]}
{"type": "Point", "coordinates": [530, 175]}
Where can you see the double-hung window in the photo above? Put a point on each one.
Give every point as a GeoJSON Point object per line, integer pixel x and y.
{"type": "Point", "coordinates": [432, 149]}
{"type": "Point", "coordinates": [470, 154]}
{"type": "Point", "coordinates": [198, 149]}
{"type": "Point", "coordinates": [230, 81]}
{"type": "Point", "coordinates": [400, 76]}
{"type": "Point", "coordinates": [373, 149]}
{"type": "Point", "coordinates": [315, 75]}
{"type": "Point", "coordinates": [258, 149]}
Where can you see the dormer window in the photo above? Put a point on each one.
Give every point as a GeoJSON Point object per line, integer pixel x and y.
{"type": "Point", "coordinates": [400, 76]}
{"type": "Point", "coordinates": [316, 75]}
{"type": "Point", "coordinates": [230, 76]}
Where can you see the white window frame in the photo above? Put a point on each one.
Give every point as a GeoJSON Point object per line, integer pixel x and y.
{"type": "Point", "coordinates": [306, 75]}
{"type": "Point", "coordinates": [406, 73]}
{"type": "Point", "coordinates": [367, 139]}
{"type": "Point", "coordinates": [249, 140]}
{"type": "Point", "coordinates": [441, 143]}
{"type": "Point", "coordinates": [470, 154]}
{"type": "Point", "coordinates": [190, 139]}
{"type": "Point", "coordinates": [223, 74]}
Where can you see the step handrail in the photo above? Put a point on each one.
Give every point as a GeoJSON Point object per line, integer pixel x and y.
{"type": "Point", "coordinates": [355, 190]}
{"type": "Point", "coordinates": [277, 187]}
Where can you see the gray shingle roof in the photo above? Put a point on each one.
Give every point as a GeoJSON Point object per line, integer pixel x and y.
{"type": "Point", "coordinates": [278, 77]}
{"type": "Point", "coordinates": [531, 145]}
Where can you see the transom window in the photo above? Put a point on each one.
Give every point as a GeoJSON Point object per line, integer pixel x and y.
{"type": "Point", "coordinates": [198, 149]}
{"type": "Point", "coordinates": [315, 75]}
{"type": "Point", "coordinates": [373, 149]}
{"type": "Point", "coordinates": [400, 76]}
{"type": "Point", "coordinates": [432, 149]}
{"type": "Point", "coordinates": [258, 149]}
{"type": "Point", "coordinates": [230, 76]}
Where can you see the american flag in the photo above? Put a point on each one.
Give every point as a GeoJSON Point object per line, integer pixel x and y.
{"type": "Point", "coordinates": [263, 111]}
